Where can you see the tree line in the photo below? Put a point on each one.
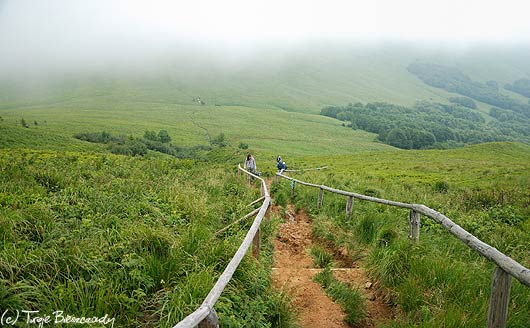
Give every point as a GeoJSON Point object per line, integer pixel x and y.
{"type": "Point", "coordinates": [429, 124]}
{"type": "Point", "coordinates": [453, 80]}
{"type": "Point", "coordinates": [521, 87]}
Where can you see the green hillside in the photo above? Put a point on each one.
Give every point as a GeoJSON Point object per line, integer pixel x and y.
{"type": "Point", "coordinates": [86, 231]}
{"type": "Point", "coordinates": [267, 131]}
{"type": "Point", "coordinates": [438, 282]}
{"type": "Point", "coordinates": [95, 234]}
{"type": "Point", "coordinates": [304, 78]}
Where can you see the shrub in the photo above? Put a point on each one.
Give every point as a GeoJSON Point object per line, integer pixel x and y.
{"type": "Point", "coordinates": [441, 186]}
{"type": "Point", "coordinates": [243, 146]}
{"type": "Point", "coordinates": [219, 140]}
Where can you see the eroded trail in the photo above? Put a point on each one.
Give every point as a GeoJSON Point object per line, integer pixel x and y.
{"type": "Point", "coordinates": [293, 271]}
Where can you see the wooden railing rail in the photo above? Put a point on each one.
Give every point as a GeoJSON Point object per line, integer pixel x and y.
{"type": "Point", "coordinates": [506, 266]}
{"type": "Point", "coordinates": [205, 315]}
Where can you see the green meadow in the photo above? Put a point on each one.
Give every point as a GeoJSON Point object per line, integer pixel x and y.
{"type": "Point", "coordinates": [93, 233]}
{"type": "Point", "coordinates": [265, 130]}
{"type": "Point", "coordinates": [438, 282]}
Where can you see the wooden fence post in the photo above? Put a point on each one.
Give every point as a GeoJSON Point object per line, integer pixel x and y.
{"type": "Point", "coordinates": [414, 224]}
{"type": "Point", "coordinates": [349, 206]}
{"type": "Point", "coordinates": [499, 299]}
{"type": "Point", "coordinates": [238, 173]}
{"type": "Point", "coordinates": [211, 321]}
{"type": "Point", "coordinates": [320, 197]}
{"type": "Point", "coordinates": [256, 244]}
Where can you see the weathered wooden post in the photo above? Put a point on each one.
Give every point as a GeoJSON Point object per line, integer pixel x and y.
{"type": "Point", "coordinates": [211, 321]}
{"type": "Point", "coordinates": [349, 206]}
{"type": "Point", "coordinates": [320, 197]}
{"type": "Point", "coordinates": [414, 225]}
{"type": "Point", "coordinates": [499, 299]}
{"type": "Point", "coordinates": [256, 245]}
{"type": "Point", "coordinates": [238, 172]}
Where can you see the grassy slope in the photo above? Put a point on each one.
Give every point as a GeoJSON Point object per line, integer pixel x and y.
{"type": "Point", "coordinates": [95, 234]}
{"type": "Point", "coordinates": [132, 105]}
{"type": "Point", "coordinates": [304, 79]}
{"type": "Point", "coordinates": [474, 165]}
{"type": "Point", "coordinates": [249, 94]}
{"type": "Point", "coordinates": [267, 131]}
{"type": "Point", "coordinates": [439, 282]}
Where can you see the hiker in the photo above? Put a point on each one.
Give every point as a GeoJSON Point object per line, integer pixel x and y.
{"type": "Point", "coordinates": [280, 165]}
{"type": "Point", "coordinates": [250, 164]}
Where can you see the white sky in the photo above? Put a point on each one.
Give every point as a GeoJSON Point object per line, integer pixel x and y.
{"type": "Point", "coordinates": [67, 29]}
{"type": "Point", "coordinates": [448, 20]}
{"type": "Point", "coordinates": [234, 20]}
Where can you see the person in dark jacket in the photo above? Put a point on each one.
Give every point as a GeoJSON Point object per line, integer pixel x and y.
{"type": "Point", "coordinates": [280, 164]}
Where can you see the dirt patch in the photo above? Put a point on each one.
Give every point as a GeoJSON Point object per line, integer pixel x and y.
{"type": "Point", "coordinates": [293, 271]}
{"type": "Point", "coordinates": [354, 275]}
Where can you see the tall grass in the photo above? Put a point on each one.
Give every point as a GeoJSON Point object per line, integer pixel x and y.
{"type": "Point", "coordinates": [94, 234]}
{"type": "Point", "coordinates": [438, 282]}
{"type": "Point", "coordinates": [321, 258]}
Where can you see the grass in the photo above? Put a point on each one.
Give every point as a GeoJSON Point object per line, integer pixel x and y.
{"type": "Point", "coordinates": [94, 234]}
{"type": "Point", "coordinates": [321, 258]}
{"type": "Point", "coordinates": [351, 300]}
{"type": "Point", "coordinates": [268, 132]}
{"type": "Point", "coordinates": [438, 281]}
{"type": "Point", "coordinates": [301, 78]}
{"type": "Point", "coordinates": [270, 103]}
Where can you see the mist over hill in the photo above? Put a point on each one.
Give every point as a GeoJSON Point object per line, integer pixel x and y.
{"type": "Point", "coordinates": [303, 77]}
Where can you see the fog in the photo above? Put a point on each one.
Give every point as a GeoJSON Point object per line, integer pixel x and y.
{"type": "Point", "coordinates": [42, 37]}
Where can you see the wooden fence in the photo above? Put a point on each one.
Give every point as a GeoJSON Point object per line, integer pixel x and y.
{"type": "Point", "coordinates": [506, 266]}
{"type": "Point", "coordinates": [205, 315]}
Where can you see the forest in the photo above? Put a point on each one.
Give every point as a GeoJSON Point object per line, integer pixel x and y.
{"type": "Point", "coordinates": [453, 80]}
{"type": "Point", "coordinates": [521, 86]}
{"type": "Point", "coordinates": [431, 125]}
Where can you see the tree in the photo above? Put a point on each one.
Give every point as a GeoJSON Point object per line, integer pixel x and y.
{"type": "Point", "coordinates": [421, 138]}
{"type": "Point", "coordinates": [151, 135]}
{"type": "Point", "coordinates": [163, 136]}
{"type": "Point", "coordinates": [464, 101]}
{"type": "Point", "coordinates": [344, 116]}
{"type": "Point", "coordinates": [398, 138]}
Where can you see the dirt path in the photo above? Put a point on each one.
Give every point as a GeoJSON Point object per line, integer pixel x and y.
{"type": "Point", "coordinates": [293, 271]}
